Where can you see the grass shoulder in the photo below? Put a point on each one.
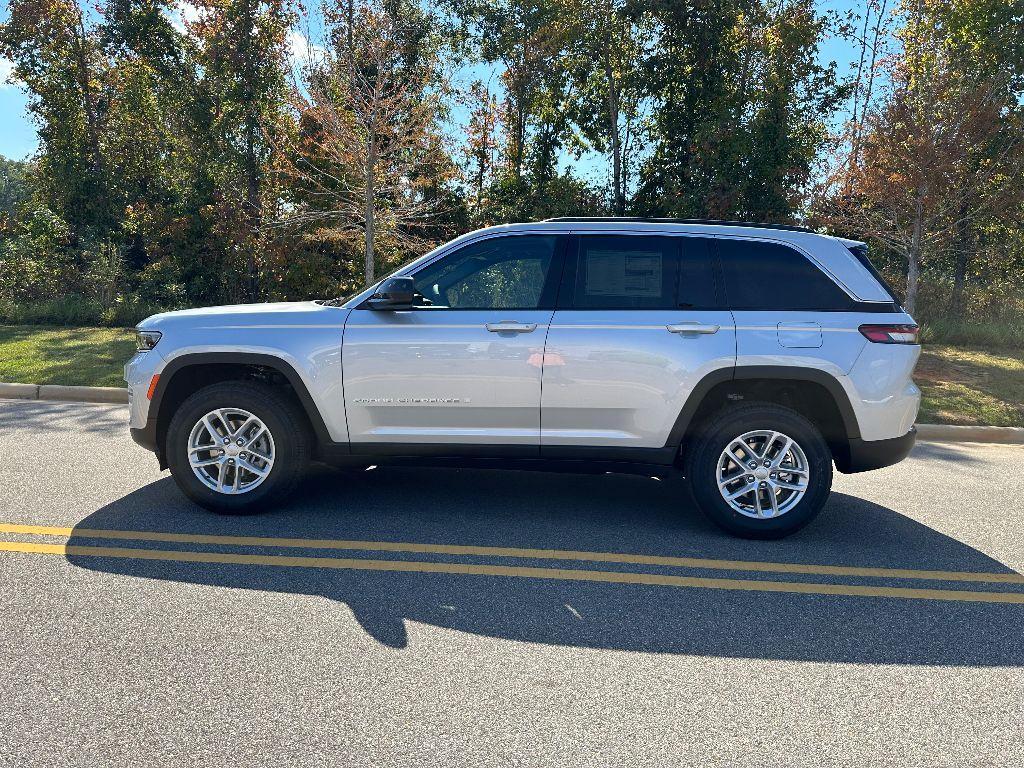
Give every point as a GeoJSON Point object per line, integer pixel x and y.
{"type": "Point", "coordinates": [40, 354]}
{"type": "Point", "coordinates": [968, 385]}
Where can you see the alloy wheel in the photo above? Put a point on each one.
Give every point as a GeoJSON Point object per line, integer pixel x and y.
{"type": "Point", "coordinates": [231, 451]}
{"type": "Point", "coordinates": [763, 474]}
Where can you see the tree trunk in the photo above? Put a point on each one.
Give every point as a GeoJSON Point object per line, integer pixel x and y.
{"type": "Point", "coordinates": [518, 96]}
{"type": "Point", "coordinates": [89, 104]}
{"type": "Point", "coordinates": [619, 196]}
{"type": "Point", "coordinates": [252, 203]}
{"type": "Point", "coordinates": [252, 180]}
{"type": "Point", "coordinates": [520, 137]}
{"type": "Point", "coordinates": [369, 213]}
{"type": "Point", "coordinates": [479, 183]}
{"type": "Point", "coordinates": [914, 252]}
{"type": "Point", "coordinates": [913, 276]}
{"type": "Point", "coordinates": [963, 248]}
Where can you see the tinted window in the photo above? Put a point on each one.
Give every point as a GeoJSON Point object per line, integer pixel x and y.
{"type": "Point", "coordinates": [762, 275]}
{"type": "Point", "coordinates": [625, 272]}
{"type": "Point", "coordinates": [497, 273]}
{"type": "Point", "coordinates": [697, 274]}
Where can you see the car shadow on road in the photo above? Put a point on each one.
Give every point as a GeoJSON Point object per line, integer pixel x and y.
{"type": "Point", "coordinates": [595, 514]}
{"type": "Point", "coordinates": [56, 417]}
{"type": "Point", "coordinates": [951, 452]}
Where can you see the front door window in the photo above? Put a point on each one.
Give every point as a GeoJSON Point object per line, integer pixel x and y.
{"type": "Point", "coordinates": [497, 273]}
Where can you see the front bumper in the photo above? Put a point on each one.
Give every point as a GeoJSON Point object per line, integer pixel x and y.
{"type": "Point", "coordinates": [863, 455]}
{"type": "Point", "coordinates": [145, 436]}
{"type": "Point", "coordinates": [139, 373]}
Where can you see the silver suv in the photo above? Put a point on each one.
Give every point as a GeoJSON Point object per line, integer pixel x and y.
{"type": "Point", "coordinates": [749, 357]}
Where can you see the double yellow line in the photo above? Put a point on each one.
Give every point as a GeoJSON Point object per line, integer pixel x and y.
{"type": "Point", "coordinates": [567, 574]}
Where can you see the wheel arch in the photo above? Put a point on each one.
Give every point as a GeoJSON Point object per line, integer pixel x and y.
{"type": "Point", "coordinates": [185, 374]}
{"type": "Point", "coordinates": [809, 391]}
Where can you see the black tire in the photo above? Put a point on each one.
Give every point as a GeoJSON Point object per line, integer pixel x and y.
{"type": "Point", "coordinates": [702, 468]}
{"type": "Point", "coordinates": [282, 417]}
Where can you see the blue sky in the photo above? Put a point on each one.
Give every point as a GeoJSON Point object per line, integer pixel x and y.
{"type": "Point", "coordinates": [18, 136]}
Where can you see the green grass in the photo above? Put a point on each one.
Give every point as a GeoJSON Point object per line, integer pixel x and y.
{"type": "Point", "coordinates": [37, 354]}
{"type": "Point", "coordinates": [961, 385]}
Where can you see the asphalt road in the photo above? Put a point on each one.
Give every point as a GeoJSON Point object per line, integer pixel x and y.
{"type": "Point", "coordinates": [367, 654]}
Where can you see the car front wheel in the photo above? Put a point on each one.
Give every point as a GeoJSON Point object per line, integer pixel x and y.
{"type": "Point", "coordinates": [760, 471]}
{"type": "Point", "coordinates": [237, 447]}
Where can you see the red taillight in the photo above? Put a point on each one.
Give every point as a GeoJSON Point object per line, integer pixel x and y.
{"type": "Point", "coordinates": [891, 334]}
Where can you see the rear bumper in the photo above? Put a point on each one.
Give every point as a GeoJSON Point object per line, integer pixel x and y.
{"type": "Point", "coordinates": [863, 455]}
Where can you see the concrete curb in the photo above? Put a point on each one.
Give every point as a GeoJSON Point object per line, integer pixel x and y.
{"type": "Point", "coordinates": [20, 391]}
{"type": "Point", "coordinates": [64, 393]}
{"type": "Point", "coordinates": [941, 433]}
{"type": "Point", "coordinates": [951, 433]}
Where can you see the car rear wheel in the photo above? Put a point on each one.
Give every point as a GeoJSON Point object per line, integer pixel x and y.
{"type": "Point", "coordinates": [760, 471]}
{"type": "Point", "coordinates": [237, 447]}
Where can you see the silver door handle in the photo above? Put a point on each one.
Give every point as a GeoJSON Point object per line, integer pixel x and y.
{"type": "Point", "coordinates": [691, 327]}
{"type": "Point", "coordinates": [510, 326]}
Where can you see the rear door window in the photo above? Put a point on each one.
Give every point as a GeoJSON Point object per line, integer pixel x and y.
{"type": "Point", "coordinates": [625, 272]}
{"type": "Point", "coordinates": [697, 283]}
{"type": "Point", "coordinates": [762, 275]}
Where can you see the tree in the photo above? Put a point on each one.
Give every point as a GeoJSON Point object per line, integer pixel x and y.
{"type": "Point", "coordinates": [984, 42]}
{"type": "Point", "coordinates": [740, 108]}
{"type": "Point", "coordinates": [244, 59]}
{"type": "Point", "coordinates": [482, 140]}
{"type": "Point", "coordinates": [368, 144]}
{"type": "Point", "coordinates": [15, 188]}
{"type": "Point", "coordinates": [935, 158]}
{"type": "Point", "coordinates": [57, 56]}
{"type": "Point", "coordinates": [871, 41]}
{"type": "Point", "coordinates": [526, 40]}
{"type": "Point", "coordinates": [606, 44]}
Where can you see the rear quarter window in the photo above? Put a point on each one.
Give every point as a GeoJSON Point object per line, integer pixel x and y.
{"type": "Point", "coordinates": [860, 253]}
{"type": "Point", "coordinates": [763, 275]}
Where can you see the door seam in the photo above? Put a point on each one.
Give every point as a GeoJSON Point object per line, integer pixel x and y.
{"type": "Point", "coordinates": [543, 368]}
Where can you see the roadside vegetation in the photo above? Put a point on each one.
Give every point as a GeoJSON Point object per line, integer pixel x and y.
{"type": "Point", "coordinates": [961, 384]}
{"type": "Point", "coordinates": [269, 151]}
{"type": "Point", "coordinates": [276, 150]}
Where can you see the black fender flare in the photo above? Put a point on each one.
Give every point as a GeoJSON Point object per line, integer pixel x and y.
{"type": "Point", "coordinates": [749, 372]}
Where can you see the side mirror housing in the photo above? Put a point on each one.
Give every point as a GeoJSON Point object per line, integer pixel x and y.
{"type": "Point", "coordinates": [393, 293]}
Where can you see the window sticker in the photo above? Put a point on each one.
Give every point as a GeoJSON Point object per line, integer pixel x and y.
{"type": "Point", "coordinates": [623, 273]}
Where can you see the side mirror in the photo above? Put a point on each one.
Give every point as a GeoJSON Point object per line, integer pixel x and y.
{"type": "Point", "coordinates": [393, 293]}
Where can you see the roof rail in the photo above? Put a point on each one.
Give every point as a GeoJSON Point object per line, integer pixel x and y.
{"type": "Point", "coordinates": [652, 220]}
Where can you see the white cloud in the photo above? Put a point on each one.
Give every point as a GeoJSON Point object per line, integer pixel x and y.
{"type": "Point", "coordinates": [189, 12]}
{"type": "Point", "coordinates": [182, 13]}
{"type": "Point", "coordinates": [300, 50]}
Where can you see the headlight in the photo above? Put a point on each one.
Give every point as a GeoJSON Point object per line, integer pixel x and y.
{"type": "Point", "coordinates": [146, 340]}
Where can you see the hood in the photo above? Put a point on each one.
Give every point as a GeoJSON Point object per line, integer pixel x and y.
{"type": "Point", "coordinates": [282, 313]}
